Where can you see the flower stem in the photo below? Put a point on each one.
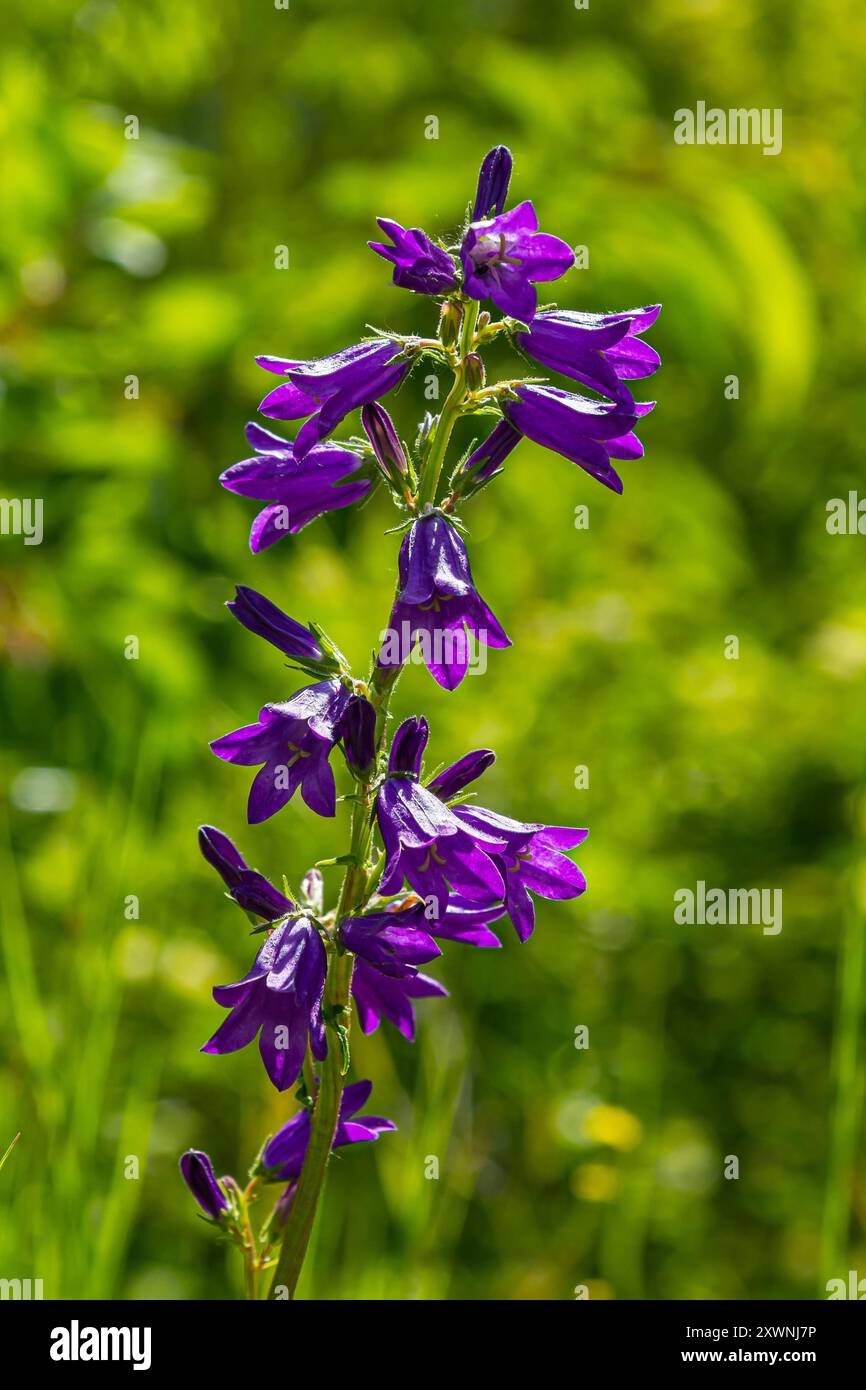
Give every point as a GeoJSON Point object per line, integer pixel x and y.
{"type": "Point", "coordinates": [450, 410]}
{"type": "Point", "coordinates": [251, 1267]}
{"type": "Point", "coordinates": [338, 984]}
{"type": "Point", "coordinates": [296, 1236]}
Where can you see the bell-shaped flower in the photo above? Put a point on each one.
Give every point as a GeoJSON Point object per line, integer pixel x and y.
{"type": "Point", "coordinates": [505, 256]}
{"type": "Point", "coordinates": [280, 1000]}
{"type": "Point", "coordinates": [327, 389]}
{"type": "Point", "coordinates": [293, 742]}
{"type": "Point", "coordinates": [437, 604]}
{"type": "Point", "coordinates": [284, 1153]}
{"type": "Point", "coordinates": [601, 350]}
{"type": "Point", "coordinates": [589, 432]}
{"type": "Point", "coordinates": [297, 490]}
{"type": "Point", "coordinates": [419, 264]}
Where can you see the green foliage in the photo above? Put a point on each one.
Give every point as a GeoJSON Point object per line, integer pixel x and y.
{"type": "Point", "coordinates": [154, 258]}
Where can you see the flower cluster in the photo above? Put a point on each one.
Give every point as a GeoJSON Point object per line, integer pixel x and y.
{"type": "Point", "coordinates": [426, 865]}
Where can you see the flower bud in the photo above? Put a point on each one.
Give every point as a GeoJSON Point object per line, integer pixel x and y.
{"type": "Point", "coordinates": [383, 437]}
{"type": "Point", "coordinates": [450, 322]}
{"type": "Point", "coordinates": [313, 891]}
{"type": "Point", "coordinates": [359, 736]}
{"type": "Point", "coordinates": [266, 620]}
{"type": "Point", "coordinates": [452, 780]}
{"type": "Point", "coordinates": [197, 1172]}
{"type": "Point", "coordinates": [493, 181]}
{"type": "Point", "coordinates": [475, 373]}
{"type": "Point", "coordinates": [407, 746]}
{"type": "Point", "coordinates": [488, 458]}
{"type": "Point", "coordinates": [283, 1208]}
{"type": "Point", "coordinates": [424, 429]}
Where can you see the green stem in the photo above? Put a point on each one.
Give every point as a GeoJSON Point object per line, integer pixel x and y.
{"type": "Point", "coordinates": [450, 410]}
{"type": "Point", "coordinates": [250, 1270]}
{"type": "Point", "coordinates": [296, 1236]}
{"type": "Point", "coordinates": [338, 984]}
{"type": "Point", "coordinates": [250, 1254]}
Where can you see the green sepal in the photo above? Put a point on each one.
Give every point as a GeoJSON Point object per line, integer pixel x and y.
{"type": "Point", "coordinates": [349, 859]}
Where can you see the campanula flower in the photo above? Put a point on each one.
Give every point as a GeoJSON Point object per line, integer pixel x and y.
{"type": "Point", "coordinates": [468, 922]}
{"type": "Point", "coordinates": [281, 1000]}
{"type": "Point", "coordinates": [197, 1172]}
{"type": "Point", "coordinates": [419, 264]}
{"type": "Point", "coordinates": [379, 996]}
{"type": "Point", "coordinates": [424, 841]}
{"type": "Point", "coordinates": [395, 940]}
{"type": "Point", "coordinates": [328, 388]}
{"type": "Point", "coordinates": [463, 921]}
{"type": "Point", "coordinates": [504, 256]}
{"type": "Point", "coordinates": [600, 350]}
{"type": "Point", "coordinates": [588, 432]}
{"type": "Point", "coordinates": [297, 490]}
{"type": "Point", "coordinates": [532, 860]}
{"type": "Point", "coordinates": [293, 742]}
{"type": "Point", "coordinates": [437, 602]}
{"type": "Point", "coordinates": [266, 620]}
{"type": "Point", "coordinates": [250, 889]}
{"type": "Point", "coordinates": [284, 1153]}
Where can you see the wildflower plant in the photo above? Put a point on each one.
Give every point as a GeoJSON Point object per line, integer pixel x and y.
{"type": "Point", "coordinates": [426, 865]}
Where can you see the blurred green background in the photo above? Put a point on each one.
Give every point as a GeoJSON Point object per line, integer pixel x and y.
{"type": "Point", "coordinates": [154, 257]}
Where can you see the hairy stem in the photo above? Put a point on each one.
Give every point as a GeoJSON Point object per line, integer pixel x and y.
{"type": "Point", "coordinates": [450, 410]}
{"type": "Point", "coordinates": [250, 1254]}
{"type": "Point", "coordinates": [338, 984]}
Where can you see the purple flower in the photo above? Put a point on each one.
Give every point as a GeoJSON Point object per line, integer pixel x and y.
{"type": "Point", "coordinates": [394, 940]}
{"type": "Point", "coordinates": [250, 890]}
{"type": "Point", "coordinates": [379, 428]}
{"type": "Point", "coordinates": [587, 431]}
{"type": "Point", "coordinates": [283, 1155]}
{"type": "Point", "coordinates": [451, 781]}
{"type": "Point", "coordinates": [197, 1172]}
{"type": "Point", "coordinates": [419, 264]}
{"type": "Point", "coordinates": [505, 255]}
{"type": "Point", "coordinates": [493, 180]}
{"type": "Point", "coordinates": [379, 996]}
{"type": "Point", "coordinates": [468, 923]}
{"type": "Point", "coordinates": [533, 860]}
{"type": "Point", "coordinates": [332, 387]}
{"type": "Point", "coordinates": [293, 741]}
{"type": "Point", "coordinates": [424, 841]}
{"type": "Point", "coordinates": [281, 998]}
{"type": "Point", "coordinates": [438, 603]}
{"type": "Point", "coordinates": [601, 350]}
{"type": "Point", "coordinates": [266, 620]}
{"type": "Point", "coordinates": [358, 730]}
{"type": "Point", "coordinates": [488, 458]}
{"type": "Point", "coordinates": [463, 921]}
{"type": "Point", "coordinates": [407, 747]}
{"type": "Point", "coordinates": [298, 490]}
